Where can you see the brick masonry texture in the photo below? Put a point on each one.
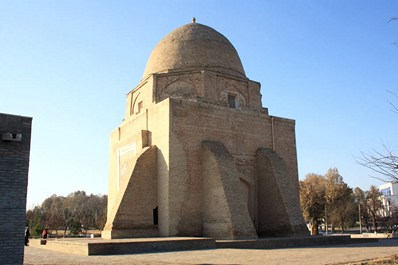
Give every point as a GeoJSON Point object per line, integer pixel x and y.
{"type": "Point", "coordinates": [14, 167]}
{"type": "Point", "coordinates": [222, 166]}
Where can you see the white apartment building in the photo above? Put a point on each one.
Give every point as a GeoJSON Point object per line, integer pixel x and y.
{"type": "Point", "coordinates": [389, 195]}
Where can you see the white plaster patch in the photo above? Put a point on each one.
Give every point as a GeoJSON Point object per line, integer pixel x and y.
{"type": "Point", "coordinates": [125, 155]}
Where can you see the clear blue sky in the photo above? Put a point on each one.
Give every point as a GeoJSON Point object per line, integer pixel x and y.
{"type": "Point", "coordinates": [69, 64]}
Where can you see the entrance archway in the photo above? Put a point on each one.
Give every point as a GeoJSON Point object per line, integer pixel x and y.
{"type": "Point", "coordinates": [246, 189]}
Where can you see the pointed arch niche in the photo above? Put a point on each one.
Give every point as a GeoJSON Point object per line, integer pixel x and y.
{"type": "Point", "coordinates": [137, 104]}
{"type": "Point", "coordinates": [248, 193]}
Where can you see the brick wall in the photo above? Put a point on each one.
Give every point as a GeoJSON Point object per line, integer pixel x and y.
{"type": "Point", "coordinates": [15, 134]}
{"type": "Point", "coordinates": [242, 133]}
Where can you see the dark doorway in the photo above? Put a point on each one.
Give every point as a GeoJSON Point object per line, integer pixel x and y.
{"type": "Point", "coordinates": [155, 216]}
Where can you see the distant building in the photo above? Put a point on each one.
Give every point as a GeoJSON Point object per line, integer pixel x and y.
{"type": "Point", "coordinates": [389, 197]}
{"type": "Point", "coordinates": [197, 154]}
{"type": "Point", "coordinates": [15, 133]}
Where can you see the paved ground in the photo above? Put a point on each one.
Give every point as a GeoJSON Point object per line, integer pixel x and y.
{"type": "Point", "coordinates": [310, 255]}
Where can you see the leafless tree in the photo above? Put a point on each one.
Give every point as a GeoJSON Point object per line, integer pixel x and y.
{"type": "Point", "coordinates": [383, 162]}
{"type": "Point", "coordinates": [360, 198]}
{"type": "Point", "coordinates": [74, 212]}
{"type": "Point", "coordinates": [374, 205]}
{"type": "Point", "coordinates": [392, 19]}
{"type": "Point", "coordinates": [53, 207]}
{"type": "Point", "coordinates": [394, 107]}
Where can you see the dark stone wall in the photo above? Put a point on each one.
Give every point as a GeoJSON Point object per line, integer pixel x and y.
{"type": "Point", "coordinates": [15, 135]}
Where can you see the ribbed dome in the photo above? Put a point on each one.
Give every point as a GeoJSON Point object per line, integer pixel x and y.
{"type": "Point", "coordinates": [194, 46]}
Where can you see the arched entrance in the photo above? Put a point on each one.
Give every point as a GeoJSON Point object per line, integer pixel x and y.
{"type": "Point", "coordinates": [246, 189]}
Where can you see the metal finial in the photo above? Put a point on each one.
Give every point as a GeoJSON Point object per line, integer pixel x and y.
{"type": "Point", "coordinates": [193, 20]}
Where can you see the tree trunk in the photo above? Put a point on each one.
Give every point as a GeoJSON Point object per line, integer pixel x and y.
{"type": "Point", "coordinates": [374, 228]}
{"type": "Point", "coordinates": [342, 225]}
{"type": "Point", "coordinates": [314, 227]}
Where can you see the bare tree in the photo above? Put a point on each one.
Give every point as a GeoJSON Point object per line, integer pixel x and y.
{"type": "Point", "coordinates": [383, 162]}
{"type": "Point", "coordinates": [53, 207]}
{"type": "Point", "coordinates": [75, 212]}
{"type": "Point", "coordinates": [394, 107]}
{"type": "Point", "coordinates": [374, 205]}
{"type": "Point", "coordinates": [360, 199]}
{"type": "Point", "coordinates": [392, 19]}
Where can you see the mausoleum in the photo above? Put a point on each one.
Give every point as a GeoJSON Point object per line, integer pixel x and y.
{"type": "Point", "coordinates": [197, 154]}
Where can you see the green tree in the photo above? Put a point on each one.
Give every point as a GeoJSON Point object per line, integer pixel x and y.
{"type": "Point", "coordinates": [75, 226]}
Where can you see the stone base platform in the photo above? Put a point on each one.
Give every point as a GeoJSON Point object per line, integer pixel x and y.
{"type": "Point", "coordinates": [99, 246]}
{"type": "Point", "coordinates": [290, 242]}
{"type": "Point", "coordinates": [374, 235]}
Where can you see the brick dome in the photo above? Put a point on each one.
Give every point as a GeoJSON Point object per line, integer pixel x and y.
{"type": "Point", "coordinates": [194, 46]}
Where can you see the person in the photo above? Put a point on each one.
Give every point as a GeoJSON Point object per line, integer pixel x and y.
{"type": "Point", "coordinates": [44, 234]}
{"type": "Point", "coordinates": [27, 235]}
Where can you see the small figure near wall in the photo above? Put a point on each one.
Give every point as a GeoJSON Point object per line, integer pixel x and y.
{"type": "Point", "coordinates": [27, 235]}
{"type": "Point", "coordinates": [44, 233]}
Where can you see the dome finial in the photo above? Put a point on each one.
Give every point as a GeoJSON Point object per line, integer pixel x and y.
{"type": "Point", "coordinates": [193, 20]}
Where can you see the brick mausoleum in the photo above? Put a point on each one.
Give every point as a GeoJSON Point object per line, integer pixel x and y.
{"type": "Point", "coordinates": [197, 154]}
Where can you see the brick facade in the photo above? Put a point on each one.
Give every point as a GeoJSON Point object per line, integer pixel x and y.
{"type": "Point", "coordinates": [15, 135]}
{"type": "Point", "coordinates": [225, 168]}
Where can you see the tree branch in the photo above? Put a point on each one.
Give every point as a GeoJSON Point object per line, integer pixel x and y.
{"type": "Point", "coordinates": [384, 163]}
{"type": "Point", "coordinates": [395, 108]}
